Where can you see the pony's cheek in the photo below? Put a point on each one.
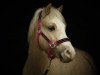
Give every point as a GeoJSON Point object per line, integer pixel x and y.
{"type": "Point", "coordinates": [43, 43]}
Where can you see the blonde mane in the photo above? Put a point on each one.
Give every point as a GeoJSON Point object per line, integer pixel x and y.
{"type": "Point", "coordinates": [32, 26]}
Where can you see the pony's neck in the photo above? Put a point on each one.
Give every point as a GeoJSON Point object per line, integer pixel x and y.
{"type": "Point", "coordinates": [38, 59]}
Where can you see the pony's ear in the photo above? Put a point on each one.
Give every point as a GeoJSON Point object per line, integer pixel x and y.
{"type": "Point", "coordinates": [47, 9]}
{"type": "Point", "coordinates": [60, 8]}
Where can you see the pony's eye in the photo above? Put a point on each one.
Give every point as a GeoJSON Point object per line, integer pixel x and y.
{"type": "Point", "coordinates": [51, 28]}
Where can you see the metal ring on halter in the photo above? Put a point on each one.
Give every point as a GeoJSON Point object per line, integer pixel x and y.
{"type": "Point", "coordinates": [39, 32]}
{"type": "Point", "coordinates": [52, 45]}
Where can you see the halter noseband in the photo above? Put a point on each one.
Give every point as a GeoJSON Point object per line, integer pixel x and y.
{"type": "Point", "coordinates": [52, 44]}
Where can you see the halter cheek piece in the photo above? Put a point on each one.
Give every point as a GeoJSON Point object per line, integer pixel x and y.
{"type": "Point", "coordinates": [52, 44]}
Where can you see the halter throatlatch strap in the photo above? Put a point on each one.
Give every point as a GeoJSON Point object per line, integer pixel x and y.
{"type": "Point", "coordinates": [52, 44]}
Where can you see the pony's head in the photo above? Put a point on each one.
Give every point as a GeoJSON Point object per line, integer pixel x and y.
{"type": "Point", "coordinates": [53, 26]}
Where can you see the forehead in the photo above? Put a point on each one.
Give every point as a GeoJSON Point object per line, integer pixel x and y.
{"type": "Point", "coordinates": [55, 17]}
{"type": "Point", "coordinates": [53, 20]}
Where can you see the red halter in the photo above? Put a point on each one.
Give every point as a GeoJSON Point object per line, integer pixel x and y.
{"type": "Point", "coordinates": [52, 44]}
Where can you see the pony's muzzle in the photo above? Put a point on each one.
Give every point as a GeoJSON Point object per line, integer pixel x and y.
{"type": "Point", "coordinates": [67, 56]}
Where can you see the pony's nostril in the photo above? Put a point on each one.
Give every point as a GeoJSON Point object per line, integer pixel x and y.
{"type": "Point", "coordinates": [68, 52]}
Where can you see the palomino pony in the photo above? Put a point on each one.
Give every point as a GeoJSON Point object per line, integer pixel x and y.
{"type": "Point", "coordinates": [50, 50]}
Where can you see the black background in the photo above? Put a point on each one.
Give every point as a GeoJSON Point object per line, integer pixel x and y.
{"type": "Point", "coordinates": [81, 16]}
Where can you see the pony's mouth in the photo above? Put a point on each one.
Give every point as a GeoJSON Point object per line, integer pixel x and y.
{"type": "Point", "coordinates": [64, 60]}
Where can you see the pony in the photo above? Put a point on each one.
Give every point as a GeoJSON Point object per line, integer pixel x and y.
{"type": "Point", "coordinates": [50, 50]}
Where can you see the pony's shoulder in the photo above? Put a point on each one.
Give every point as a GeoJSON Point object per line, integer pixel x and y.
{"type": "Point", "coordinates": [86, 56]}
{"type": "Point", "coordinates": [83, 53]}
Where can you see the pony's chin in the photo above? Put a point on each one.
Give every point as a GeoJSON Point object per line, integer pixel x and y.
{"type": "Point", "coordinates": [65, 60]}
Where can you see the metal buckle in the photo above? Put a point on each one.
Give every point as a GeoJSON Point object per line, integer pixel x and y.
{"type": "Point", "coordinates": [52, 45]}
{"type": "Point", "coordinates": [39, 32]}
